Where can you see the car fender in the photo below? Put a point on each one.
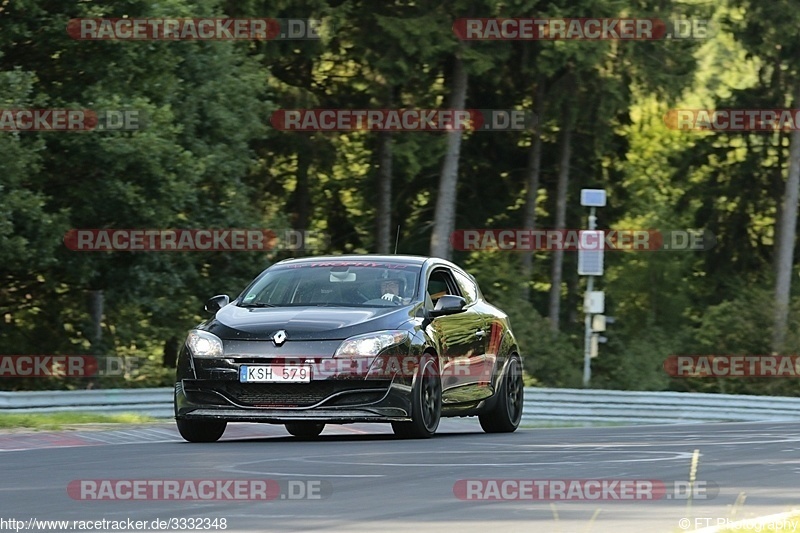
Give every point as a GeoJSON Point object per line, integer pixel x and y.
{"type": "Point", "coordinates": [507, 347]}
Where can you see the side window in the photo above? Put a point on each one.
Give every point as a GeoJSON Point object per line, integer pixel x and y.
{"type": "Point", "coordinates": [468, 289]}
{"type": "Point", "coordinates": [440, 283]}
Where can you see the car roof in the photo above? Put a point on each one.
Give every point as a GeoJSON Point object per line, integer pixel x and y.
{"type": "Point", "coordinates": [410, 259]}
{"type": "Point", "coordinates": [418, 260]}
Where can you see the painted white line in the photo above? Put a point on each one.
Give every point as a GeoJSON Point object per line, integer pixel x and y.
{"type": "Point", "coordinates": [82, 445]}
{"type": "Point", "coordinates": [96, 438]}
{"type": "Point", "coordinates": [662, 456]}
{"type": "Point", "coordinates": [344, 430]}
{"type": "Point", "coordinates": [291, 474]}
{"type": "Point", "coordinates": [242, 468]}
{"type": "Point", "coordinates": [648, 445]}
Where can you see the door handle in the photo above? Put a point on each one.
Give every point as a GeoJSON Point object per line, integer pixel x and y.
{"type": "Point", "coordinates": [480, 333]}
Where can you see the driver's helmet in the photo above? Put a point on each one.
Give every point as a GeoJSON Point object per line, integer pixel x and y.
{"type": "Point", "coordinates": [396, 286]}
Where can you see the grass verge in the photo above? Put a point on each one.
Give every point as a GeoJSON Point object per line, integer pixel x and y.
{"type": "Point", "coordinates": [61, 420]}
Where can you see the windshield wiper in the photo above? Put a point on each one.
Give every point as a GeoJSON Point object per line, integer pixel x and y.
{"type": "Point", "coordinates": [257, 304]}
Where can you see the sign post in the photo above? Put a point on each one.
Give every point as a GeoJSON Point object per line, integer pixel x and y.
{"type": "Point", "coordinates": [590, 264]}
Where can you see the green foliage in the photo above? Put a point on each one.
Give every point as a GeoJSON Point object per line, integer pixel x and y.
{"type": "Point", "coordinates": [208, 158]}
{"type": "Point", "coordinates": [634, 362]}
{"type": "Point", "coordinates": [204, 105]}
{"type": "Point", "coordinates": [742, 326]}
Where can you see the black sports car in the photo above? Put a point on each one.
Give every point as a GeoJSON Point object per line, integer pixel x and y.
{"type": "Point", "coordinates": [343, 339]}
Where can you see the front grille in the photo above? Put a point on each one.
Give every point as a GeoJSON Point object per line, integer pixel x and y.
{"type": "Point", "coordinates": [295, 394]}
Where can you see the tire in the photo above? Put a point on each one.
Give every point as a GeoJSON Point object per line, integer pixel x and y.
{"type": "Point", "coordinates": [201, 430]}
{"type": "Point", "coordinates": [304, 430]}
{"type": "Point", "coordinates": [426, 403]}
{"type": "Point", "coordinates": [507, 411]}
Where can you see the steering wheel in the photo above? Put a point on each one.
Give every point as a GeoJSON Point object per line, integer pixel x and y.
{"type": "Point", "coordinates": [381, 301]}
{"type": "Point", "coordinates": [361, 295]}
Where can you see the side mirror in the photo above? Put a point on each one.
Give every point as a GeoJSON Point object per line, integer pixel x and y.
{"type": "Point", "coordinates": [215, 303]}
{"type": "Point", "coordinates": [448, 305]}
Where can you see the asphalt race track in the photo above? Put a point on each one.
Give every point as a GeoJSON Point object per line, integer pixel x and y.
{"type": "Point", "coordinates": [369, 481]}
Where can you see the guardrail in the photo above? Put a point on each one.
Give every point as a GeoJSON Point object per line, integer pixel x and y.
{"type": "Point", "coordinates": [632, 407]}
{"type": "Point", "coordinates": [155, 402]}
{"type": "Point", "coordinates": [541, 405]}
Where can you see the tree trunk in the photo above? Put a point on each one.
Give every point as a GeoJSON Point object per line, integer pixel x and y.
{"type": "Point", "coordinates": [786, 238]}
{"type": "Point", "coordinates": [95, 303]}
{"type": "Point", "coordinates": [383, 217]}
{"type": "Point", "coordinates": [573, 295]}
{"type": "Point", "coordinates": [445, 216]}
{"type": "Point", "coordinates": [170, 359]}
{"type": "Point", "coordinates": [561, 215]}
{"type": "Point", "coordinates": [532, 179]}
{"type": "Point", "coordinates": [302, 194]}
{"type": "Point", "coordinates": [779, 184]}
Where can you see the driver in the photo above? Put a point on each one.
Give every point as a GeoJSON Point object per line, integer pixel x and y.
{"type": "Point", "coordinates": [391, 290]}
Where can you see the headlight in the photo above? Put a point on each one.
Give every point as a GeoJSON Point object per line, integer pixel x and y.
{"type": "Point", "coordinates": [204, 344]}
{"type": "Point", "coordinates": [371, 343]}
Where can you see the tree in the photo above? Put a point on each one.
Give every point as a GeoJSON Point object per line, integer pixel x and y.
{"type": "Point", "coordinates": [561, 215]}
{"type": "Point", "coordinates": [445, 215]}
{"type": "Point", "coordinates": [761, 31]}
{"type": "Point", "coordinates": [533, 170]}
{"type": "Point", "coordinates": [787, 236]}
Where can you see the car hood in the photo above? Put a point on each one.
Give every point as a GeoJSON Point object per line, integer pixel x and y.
{"type": "Point", "coordinates": [303, 323]}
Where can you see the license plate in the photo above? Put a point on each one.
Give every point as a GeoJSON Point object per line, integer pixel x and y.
{"type": "Point", "coordinates": [275, 374]}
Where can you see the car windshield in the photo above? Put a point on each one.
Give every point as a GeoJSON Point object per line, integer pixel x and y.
{"type": "Point", "coordinates": [334, 283]}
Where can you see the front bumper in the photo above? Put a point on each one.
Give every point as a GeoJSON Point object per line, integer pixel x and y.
{"type": "Point", "coordinates": [340, 391]}
{"type": "Point", "coordinates": [329, 401]}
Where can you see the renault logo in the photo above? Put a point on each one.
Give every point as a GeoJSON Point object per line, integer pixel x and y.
{"type": "Point", "coordinates": [279, 338]}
